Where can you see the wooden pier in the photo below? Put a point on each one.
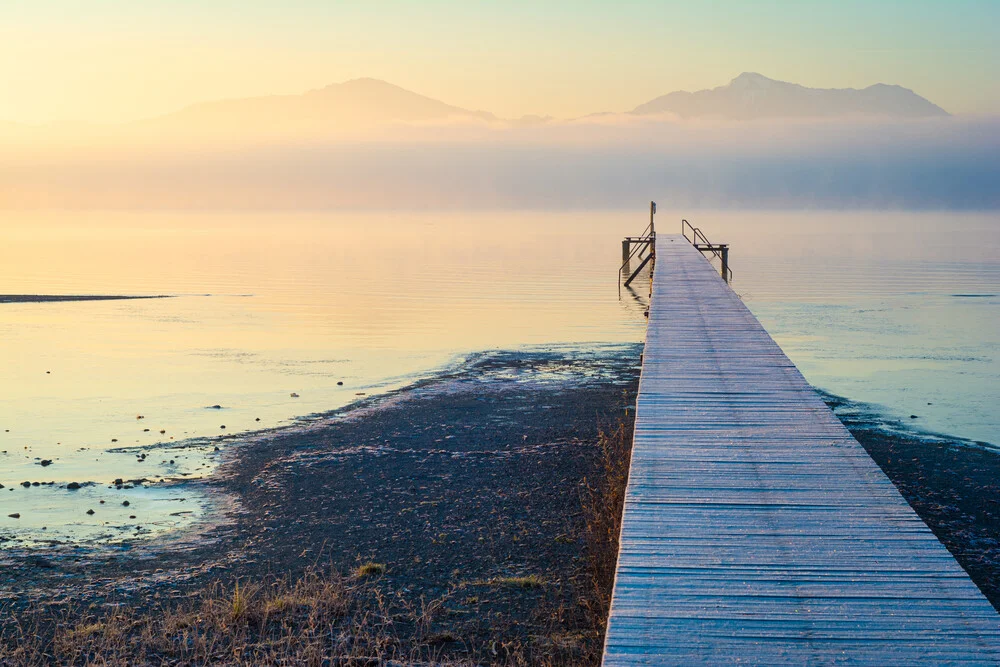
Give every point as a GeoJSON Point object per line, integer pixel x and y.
{"type": "Point", "coordinates": [757, 530]}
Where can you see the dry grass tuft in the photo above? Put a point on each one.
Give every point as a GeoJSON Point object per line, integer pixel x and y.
{"type": "Point", "coordinates": [525, 581]}
{"type": "Point", "coordinates": [603, 504]}
{"type": "Point", "coordinates": [369, 569]}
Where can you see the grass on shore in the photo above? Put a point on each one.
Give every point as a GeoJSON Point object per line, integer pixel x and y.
{"type": "Point", "coordinates": [326, 618]}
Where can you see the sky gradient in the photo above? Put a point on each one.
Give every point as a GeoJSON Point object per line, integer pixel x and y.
{"type": "Point", "coordinates": [117, 60]}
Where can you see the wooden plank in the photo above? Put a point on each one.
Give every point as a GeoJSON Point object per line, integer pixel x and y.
{"type": "Point", "coordinates": [757, 530]}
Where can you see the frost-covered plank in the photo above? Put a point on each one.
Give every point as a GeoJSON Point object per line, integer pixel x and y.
{"type": "Point", "coordinates": [756, 529]}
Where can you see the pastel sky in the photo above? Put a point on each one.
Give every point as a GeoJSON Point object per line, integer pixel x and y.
{"type": "Point", "coordinates": [115, 60]}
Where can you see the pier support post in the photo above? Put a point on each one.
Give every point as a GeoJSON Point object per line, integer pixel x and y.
{"type": "Point", "coordinates": [725, 263]}
{"type": "Point", "coordinates": [626, 250]}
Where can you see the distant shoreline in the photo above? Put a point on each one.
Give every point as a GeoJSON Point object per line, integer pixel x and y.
{"type": "Point", "coordinates": [46, 298]}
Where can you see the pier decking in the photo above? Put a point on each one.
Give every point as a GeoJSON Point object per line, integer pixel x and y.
{"type": "Point", "coordinates": [757, 530]}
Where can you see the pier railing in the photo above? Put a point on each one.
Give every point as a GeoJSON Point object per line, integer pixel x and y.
{"type": "Point", "coordinates": [633, 246]}
{"type": "Point", "coordinates": [701, 242]}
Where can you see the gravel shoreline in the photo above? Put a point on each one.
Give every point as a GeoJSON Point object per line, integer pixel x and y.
{"type": "Point", "coordinates": [455, 486]}
{"type": "Point", "coordinates": [465, 491]}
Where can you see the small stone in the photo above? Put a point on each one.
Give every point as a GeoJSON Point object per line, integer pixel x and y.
{"type": "Point", "coordinates": [162, 431]}
{"type": "Point", "coordinates": [216, 449]}
{"type": "Point", "coordinates": [223, 426]}
{"type": "Point", "coordinates": [131, 516]}
{"type": "Point", "coordinates": [119, 481]}
{"type": "Point", "coordinates": [15, 515]}
{"type": "Point", "coordinates": [257, 420]}
{"type": "Point", "coordinates": [145, 430]}
{"type": "Point", "coordinates": [90, 511]}
{"type": "Point", "coordinates": [45, 462]}
{"type": "Point", "coordinates": [294, 395]}
{"type": "Point", "coordinates": [140, 417]}
{"type": "Point", "coordinates": [215, 407]}
{"type": "Point", "coordinates": [913, 417]}
{"type": "Point", "coordinates": [126, 503]}
{"type": "Point", "coordinates": [73, 486]}
{"type": "Point", "coordinates": [340, 384]}
{"type": "Point", "coordinates": [26, 484]}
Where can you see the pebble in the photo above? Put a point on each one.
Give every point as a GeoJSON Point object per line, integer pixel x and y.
{"type": "Point", "coordinates": [126, 503]}
{"type": "Point", "coordinates": [340, 384]}
{"type": "Point", "coordinates": [26, 484]}
{"type": "Point", "coordinates": [294, 395]}
{"type": "Point", "coordinates": [15, 515]}
{"type": "Point", "coordinates": [72, 486]}
{"type": "Point", "coordinates": [45, 462]}
{"type": "Point", "coordinates": [90, 511]}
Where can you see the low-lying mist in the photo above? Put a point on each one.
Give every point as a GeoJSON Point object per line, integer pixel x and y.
{"type": "Point", "coordinates": [604, 161]}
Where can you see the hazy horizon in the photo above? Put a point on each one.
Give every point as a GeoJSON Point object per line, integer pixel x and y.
{"type": "Point", "coordinates": [157, 105]}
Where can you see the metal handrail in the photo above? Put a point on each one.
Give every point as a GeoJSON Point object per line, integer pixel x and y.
{"type": "Point", "coordinates": [640, 240]}
{"type": "Point", "coordinates": [646, 240]}
{"type": "Point", "coordinates": [643, 238]}
{"type": "Point", "coordinates": [697, 234]}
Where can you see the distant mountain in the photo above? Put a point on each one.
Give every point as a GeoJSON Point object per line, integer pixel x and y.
{"type": "Point", "coordinates": [348, 106]}
{"type": "Point", "coordinates": [752, 96]}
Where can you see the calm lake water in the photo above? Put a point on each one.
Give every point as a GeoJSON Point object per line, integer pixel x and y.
{"type": "Point", "coordinates": [269, 312]}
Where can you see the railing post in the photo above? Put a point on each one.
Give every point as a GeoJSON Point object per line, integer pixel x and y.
{"type": "Point", "coordinates": [626, 252]}
{"type": "Point", "coordinates": [725, 263]}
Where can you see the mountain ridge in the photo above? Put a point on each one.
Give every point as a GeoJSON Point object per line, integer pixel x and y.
{"type": "Point", "coordinates": [752, 96]}
{"type": "Point", "coordinates": [364, 104]}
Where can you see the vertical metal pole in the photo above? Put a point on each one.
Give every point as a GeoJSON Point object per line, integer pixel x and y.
{"type": "Point", "coordinates": [652, 211]}
{"type": "Point", "coordinates": [725, 263]}
{"type": "Point", "coordinates": [626, 250]}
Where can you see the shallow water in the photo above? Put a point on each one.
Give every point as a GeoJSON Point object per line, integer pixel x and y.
{"type": "Point", "coordinates": [900, 310]}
